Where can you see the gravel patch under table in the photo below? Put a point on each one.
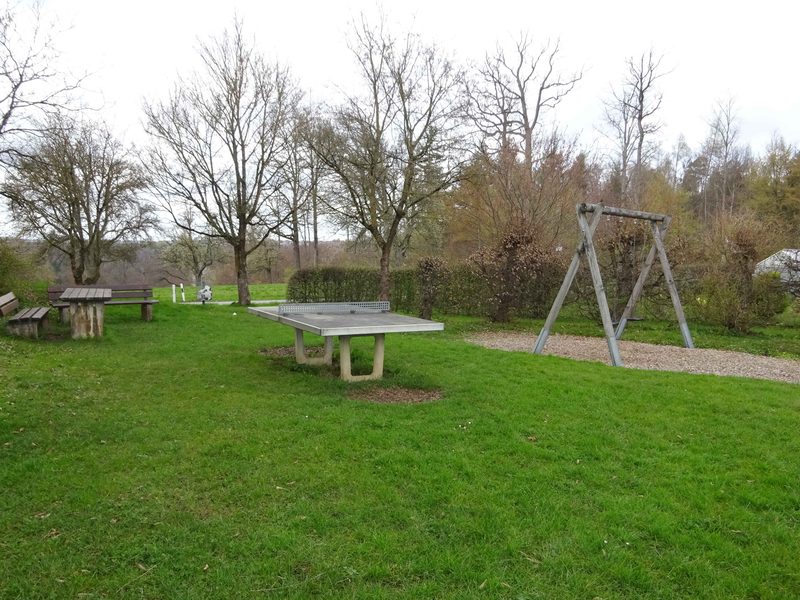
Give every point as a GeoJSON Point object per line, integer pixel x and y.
{"type": "Point", "coordinates": [638, 355]}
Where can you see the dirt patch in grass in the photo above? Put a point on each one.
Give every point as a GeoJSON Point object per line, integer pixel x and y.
{"type": "Point", "coordinates": [289, 351]}
{"type": "Point", "coordinates": [638, 355]}
{"type": "Point", "coordinates": [395, 395]}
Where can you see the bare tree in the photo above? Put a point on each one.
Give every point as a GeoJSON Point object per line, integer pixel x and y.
{"type": "Point", "coordinates": [31, 86]}
{"type": "Point", "coordinates": [724, 126]}
{"type": "Point", "coordinates": [621, 129]}
{"type": "Point", "coordinates": [218, 145]}
{"type": "Point", "coordinates": [77, 187]}
{"type": "Point", "coordinates": [192, 253]}
{"type": "Point", "coordinates": [510, 95]}
{"type": "Point", "coordinates": [513, 93]}
{"type": "Point", "coordinates": [396, 145]}
{"type": "Point", "coordinates": [643, 98]}
{"type": "Point", "coordinates": [300, 189]}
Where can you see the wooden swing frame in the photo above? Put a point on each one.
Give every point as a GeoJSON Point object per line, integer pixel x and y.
{"type": "Point", "coordinates": [658, 225]}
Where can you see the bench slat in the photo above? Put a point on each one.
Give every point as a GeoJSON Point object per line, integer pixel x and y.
{"type": "Point", "coordinates": [125, 302]}
{"type": "Point", "coordinates": [40, 313]}
{"type": "Point", "coordinates": [7, 298]}
{"type": "Point", "coordinates": [22, 315]}
{"type": "Point", "coordinates": [103, 286]}
{"type": "Point", "coordinates": [30, 314]}
{"type": "Point", "coordinates": [144, 294]}
{"type": "Point", "coordinates": [13, 305]}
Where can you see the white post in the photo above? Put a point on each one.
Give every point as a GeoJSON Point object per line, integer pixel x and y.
{"type": "Point", "coordinates": [173, 293]}
{"type": "Point", "coordinates": [183, 296]}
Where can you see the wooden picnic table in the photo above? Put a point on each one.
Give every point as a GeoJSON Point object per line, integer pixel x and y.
{"type": "Point", "coordinates": [86, 310]}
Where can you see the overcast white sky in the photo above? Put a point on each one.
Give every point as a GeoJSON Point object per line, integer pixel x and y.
{"type": "Point", "coordinates": [136, 48]}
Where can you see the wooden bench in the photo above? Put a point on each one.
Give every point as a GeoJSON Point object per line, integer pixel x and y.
{"type": "Point", "coordinates": [27, 321]}
{"type": "Point", "coordinates": [120, 295]}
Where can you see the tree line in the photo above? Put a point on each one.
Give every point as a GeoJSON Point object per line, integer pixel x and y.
{"type": "Point", "coordinates": [423, 156]}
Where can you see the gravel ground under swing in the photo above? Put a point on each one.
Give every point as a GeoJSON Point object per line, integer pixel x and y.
{"type": "Point", "coordinates": [638, 355]}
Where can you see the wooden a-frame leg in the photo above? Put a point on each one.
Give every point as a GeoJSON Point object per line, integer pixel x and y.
{"type": "Point", "coordinates": [63, 314]}
{"type": "Point", "coordinates": [600, 292]}
{"type": "Point", "coordinates": [377, 361]}
{"type": "Point", "coordinates": [303, 358]}
{"type": "Point", "coordinates": [639, 287]}
{"type": "Point", "coordinates": [673, 290]}
{"type": "Point", "coordinates": [565, 285]}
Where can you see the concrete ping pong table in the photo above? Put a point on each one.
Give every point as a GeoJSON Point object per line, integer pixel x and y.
{"type": "Point", "coordinates": [345, 320]}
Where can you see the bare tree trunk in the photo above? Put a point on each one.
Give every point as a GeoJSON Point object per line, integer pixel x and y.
{"type": "Point", "coordinates": [92, 262]}
{"type": "Point", "coordinates": [240, 261]}
{"type": "Point", "coordinates": [386, 255]}
{"type": "Point", "coordinates": [316, 238]}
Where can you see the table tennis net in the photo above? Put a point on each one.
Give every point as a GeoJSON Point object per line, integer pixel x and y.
{"type": "Point", "coordinates": [335, 307]}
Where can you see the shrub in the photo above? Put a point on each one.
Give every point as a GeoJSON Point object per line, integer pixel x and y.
{"type": "Point", "coordinates": [729, 294]}
{"type": "Point", "coordinates": [769, 298]}
{"type": "Point", "coordinates": [16, 272]}
{"type": "Point", "coordinates": [514, 270]}
{"type": "Point", "coordinates": [432, 273]}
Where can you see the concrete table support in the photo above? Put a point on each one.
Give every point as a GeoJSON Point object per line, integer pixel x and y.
{"type": "Point", "coordinates": [86, 310]}
{"type": "Point", "coordinates": [377, 361]}
{"type": "Point", "coordinates": [305, 359]}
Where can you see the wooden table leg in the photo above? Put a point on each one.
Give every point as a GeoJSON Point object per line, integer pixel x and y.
{"type": "Point", "coordinates": [86, 319]}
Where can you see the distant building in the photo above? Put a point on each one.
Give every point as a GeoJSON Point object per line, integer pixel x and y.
{"type": "Point", "coordinates": [786, 262]}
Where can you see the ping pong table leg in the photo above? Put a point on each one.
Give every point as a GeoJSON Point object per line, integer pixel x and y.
{"type": "Point", "coordinates": [377, 361]}
{"type": "Point", "coordinates": [304, 359]}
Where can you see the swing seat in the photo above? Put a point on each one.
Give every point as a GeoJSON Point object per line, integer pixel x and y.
{"type": "Point", "coordinates": [615, 323]}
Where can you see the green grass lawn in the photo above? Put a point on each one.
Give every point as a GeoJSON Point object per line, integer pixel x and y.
{"type": "Point", "coordinates": [222, 293]}
{"type": "Point", "coordinates": [129, 463]}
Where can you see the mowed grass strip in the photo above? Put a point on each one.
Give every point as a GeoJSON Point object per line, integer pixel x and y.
{"type": "Point", "coordinates": [224, 293]}
{"type": "Point", "coordinates": [170, 460]}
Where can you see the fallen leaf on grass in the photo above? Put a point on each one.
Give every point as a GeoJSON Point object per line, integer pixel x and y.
{"type": "Point", "coordinates": [42, 515]}
{"type": "Point", "coordinates": [505, 585]}
{"type": "Point", "coordinates": [530, 558]}
{"type": "Point", "coordinates": [277, 487]}
{"type": "Point", "coordinates": [736, 531]}
{"type": "Point", "coordinates": [60, 580]}
{"type": "Point", "coordinates": [290, 483]}
{"type": "Point", "coordinates": [532, 439]}
{"type": "Point", "coordinates": [53, 533]}
{"type": "Point", "coordinates": [205, 568]}
{"type": "Point", "coordinates": [480, 587]}
{"type": "Point", "coordinates": [141, 567]}
{"type": "Point", "coordinates": [113, 520]}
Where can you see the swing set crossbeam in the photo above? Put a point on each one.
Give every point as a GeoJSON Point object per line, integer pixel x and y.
{"type": "Point", "coordinates": [622, 212]}
{"type": "Point", "coordinates": [658, 225]}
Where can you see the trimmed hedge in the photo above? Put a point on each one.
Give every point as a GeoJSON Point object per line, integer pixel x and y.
{"type": "Point", "coordinates": [460, 289]}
